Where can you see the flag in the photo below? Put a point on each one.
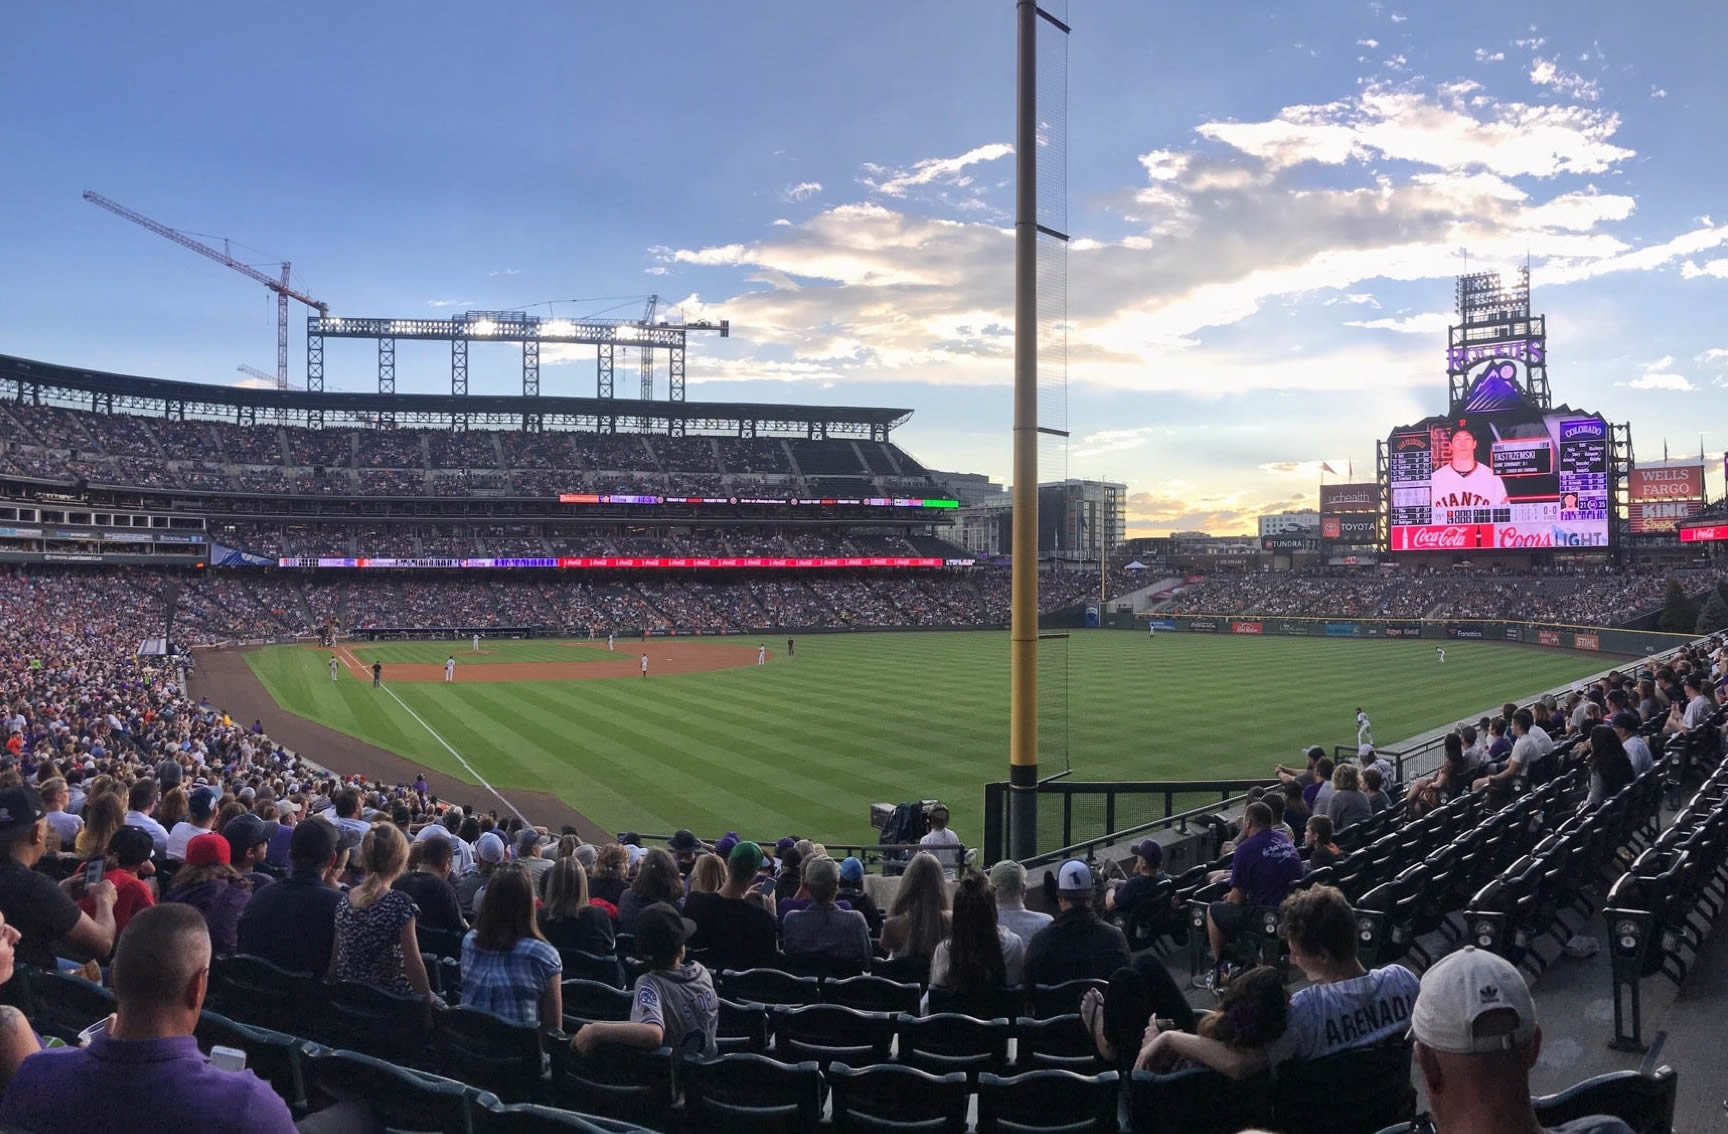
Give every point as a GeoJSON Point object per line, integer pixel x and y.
{"type": "Point", "coordinates": [1324, 467]}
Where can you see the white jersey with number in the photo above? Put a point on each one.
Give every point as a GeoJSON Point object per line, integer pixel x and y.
{"type": "Point", "coordinates": [1479, 488]}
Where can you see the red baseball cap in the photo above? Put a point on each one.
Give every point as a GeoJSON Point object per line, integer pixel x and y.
{"type": "Point", "coordinates": [207, 850]}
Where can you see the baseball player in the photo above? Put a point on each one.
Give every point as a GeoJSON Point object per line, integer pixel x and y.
{"type": "Point", "coordinates": [609, 647]}
{"type": "Point", "coordinates": [450, 668]}
{"type": "Point", "coordinates": [644, 665]}
{"type": "Point", "coordinates": [762, 655]}
{"type": "Point", "coordinates": [335, 667]}
{"type": "Point", "coordinates": [377, 674]}
{"type": "Point", "coordinates": [476, 643]}
{"type": "Point", "coordinates": [1151, 630]}
{"type": "Point", "coordinates": [1441, 651]}
{"type": "Point", "coordinates": [1364, 728]}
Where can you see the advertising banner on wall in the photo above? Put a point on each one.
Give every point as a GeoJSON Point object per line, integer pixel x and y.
{"type": "Point", "coordinates": [1350, 497]}
{"type": "Point", "coordinates": [1353, 528]}
{"type": "Point", "coordinates": [1246, 628]}
{"type": "Point", "coordinates": [1669, 482]}
{"type": "Point", "coordinates": [1646, 516]}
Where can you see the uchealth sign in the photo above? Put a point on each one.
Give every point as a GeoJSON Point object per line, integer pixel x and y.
{"type": "Point", "coordinates": [1670, 482]}
{"type": "Point", "coordinates": [1350, 497]}
{"type": "Point", "coordinates": [1247, 628]}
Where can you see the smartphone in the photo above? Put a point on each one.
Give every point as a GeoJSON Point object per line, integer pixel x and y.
{"type": "Point", "coordinates": [227, 1058]}
{"type": "Point", "coordinates": [92, 872]}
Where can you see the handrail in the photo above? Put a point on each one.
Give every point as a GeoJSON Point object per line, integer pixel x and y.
{"type": "Point", "coordinates": [1087, 846]}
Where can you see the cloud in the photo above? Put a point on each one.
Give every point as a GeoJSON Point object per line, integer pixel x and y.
{"type": "Point", "coordinates": [256, 384]}
{"type": "Point", "coordinates": [1397, 62]}
{"type": "Point", "coordinates": [1714, 354]}
{"type": "Point", "coordinates": [1399, 17]}
{"type": "Point", "coordinates": [506, 272]}
{"type": "Point", "coordinates": [1658, 92]}
{"type": "Point", "coordinates": [1547, 73]}
{"type": "Point", "coordinates": [1175, 509]}
{"type": "Point", "coordinates": [451, 302]}
{"type": "Point", "coordinates": [1659, 375]}
{"type": "Point", "coordinates": [1370, 44]}
{"type": "Point", "coordinates": [894, 182]}
{"type": "Point", "coordinates": [1430, 323]}
{"type": "Point", "coordinates": [1716, 268]}
{"type": "Point", "coordinates": [1115, 440]}
{"type": "Point", "coordinates": [802, 191]}
{"type": "Point", "coordinates": [1483, 55]}
{"type": "Point", "coordinates": [1449, 132]}
{"type": "Point", "coordinates": [1361, 298]}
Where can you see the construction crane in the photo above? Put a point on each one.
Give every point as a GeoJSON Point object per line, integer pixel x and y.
{"type": "Point", "coordinates": [646, 365]}
{"type": "Point", "coordinates": [281, 287]}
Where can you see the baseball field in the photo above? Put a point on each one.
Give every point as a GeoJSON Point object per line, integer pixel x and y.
{"type": "Point", "coordinates": [803, 744]}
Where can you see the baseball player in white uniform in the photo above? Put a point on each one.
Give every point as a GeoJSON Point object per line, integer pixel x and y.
{"type": "Point", "coordinates": [450, 668]}
{"type": "Point", "coordinates": [1441, 651]}
{"type": "Point", "coordinates": [644, 665]}
{"type": "Point", "coordinates": [335, 667]}
{"type": "Point", "coordinates": [609, 646]}
{"type": "Point", "coordinates": [761, 655]}
{"type": "Point", "coordinates": [1151, 630]}
{"type": "Point", "coordinates": [1364, 728]}
{"type": "Point", "coordinates": [476, 643]}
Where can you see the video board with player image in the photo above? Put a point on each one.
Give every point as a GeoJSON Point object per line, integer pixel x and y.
{"type": "Point", "coordinates": [1512, 478]}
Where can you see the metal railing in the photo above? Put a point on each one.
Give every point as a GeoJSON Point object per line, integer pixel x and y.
{"type": "Point", "coordinates": [870, 854]}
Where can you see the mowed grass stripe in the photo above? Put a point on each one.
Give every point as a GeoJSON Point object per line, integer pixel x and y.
{"type": "Point", "coordinates": [804, 743]}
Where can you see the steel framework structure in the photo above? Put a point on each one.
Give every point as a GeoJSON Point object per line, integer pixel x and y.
{"type": "Point", "coordinates": [605, 335]}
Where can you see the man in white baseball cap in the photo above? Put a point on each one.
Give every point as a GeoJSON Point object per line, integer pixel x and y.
{"type": "Point", "coordinates": [1476, 1039]}
{"type": "Point", "coordinates": [1077, 944]}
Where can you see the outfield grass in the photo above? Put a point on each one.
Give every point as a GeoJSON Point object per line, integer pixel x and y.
{"type": "Point", "coordinates": [806, 744]}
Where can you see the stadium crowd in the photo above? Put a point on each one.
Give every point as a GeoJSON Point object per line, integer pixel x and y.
{"type": "Point", "coordinates": [63, 444]}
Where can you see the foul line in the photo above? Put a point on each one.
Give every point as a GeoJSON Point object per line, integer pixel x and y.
{"type": "Point", "coordinates": [352, 663]}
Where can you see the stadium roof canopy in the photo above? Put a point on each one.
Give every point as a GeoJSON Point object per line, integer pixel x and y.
{"type": "Point", "coordinates": [47, 383]}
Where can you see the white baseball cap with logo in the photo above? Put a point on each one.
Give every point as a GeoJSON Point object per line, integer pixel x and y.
{"type": "Point", "coordinates": [1074, 877]}
{"type": "Point", "coordinates": [1473, 1002]}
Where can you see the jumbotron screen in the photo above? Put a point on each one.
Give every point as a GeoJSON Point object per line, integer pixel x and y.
{"type": "Point", "coordinates": [1511, 478]}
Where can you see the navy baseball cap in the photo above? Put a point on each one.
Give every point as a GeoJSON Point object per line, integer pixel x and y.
{"type": "Point", "coordinates": [1151, 851]}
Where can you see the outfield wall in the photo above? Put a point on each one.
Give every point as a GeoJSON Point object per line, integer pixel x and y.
{"type": "Point", "coordinates": [1599, 639]}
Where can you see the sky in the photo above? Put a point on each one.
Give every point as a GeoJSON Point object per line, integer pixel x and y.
{"type": "Point", "coordinates": [1268, 204]}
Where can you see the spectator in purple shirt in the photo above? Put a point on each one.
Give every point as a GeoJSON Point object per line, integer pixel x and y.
{"type": "Point", "coordinates": [1261, 870]}
{"type": "Point", "coordinates": [145, 1071]}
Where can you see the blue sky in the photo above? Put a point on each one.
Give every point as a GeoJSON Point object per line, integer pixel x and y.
{"type": "Point", "coordinates": [1268, 201]}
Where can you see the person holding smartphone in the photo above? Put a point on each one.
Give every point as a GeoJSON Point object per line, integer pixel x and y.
{"type": "Point", "coordinates": [127, 861]}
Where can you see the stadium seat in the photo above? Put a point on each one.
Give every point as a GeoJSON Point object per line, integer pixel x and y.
{"type": "Point", "coordinates": [751, 1094]}
{"type": "Point", "coordinates": [359, 1017]}
{"type": "Point", "coordinates": [440, 942]}
{"type": "Point", "coordinates": [579, 965]}
{"type": "Point", "coordinates": [948, 1042]}
{"type": "Point", "coordinates": [587, 1000]}
{"type": "Point", "coordinates": [64, 1005]}
{"type": "Point", "coordinates": [531, 1118]}
{"type": "Point", "coordinates": [616, 1081]}
{"type": "Point", "coordinates": [768, 986]}
{"type": "Point", "coordinates": [1645, 1102]}
{"type": "Point", "coordinates": [276, 1058]}
{"type": "Point", "coordinates": [396, 1098]}
{"type": "Point", "coordinates": [985, 1005]}
{"type": "Point", "coordinates": [743, 1028]}
{"type": "Point", "coordinates": [1058, 1043]}
{"type": "Point", "coordinates": [820, 965]}
{"type": "Point", "coordinates": [490, 1052]}
{"type": "Point", "coordinates": [871, 994]}
{"type": "Point", "coordinates": [906, 970]}
{"type": "Point", "coordinates": [1356, 1090]}
{"type": "Point", "coordinates": [254, 991]}
{"type": "Point", "coordinates": [1046, 1000]}
{"type": "Point", "coordinates": [1054, 1101]}
{"type": "Point", "coordinates": [1197, 1101]}
{"type": "Point", "coordinates": [896, 1098]}
{"type": "Point", "coordinates": [829, 1033]}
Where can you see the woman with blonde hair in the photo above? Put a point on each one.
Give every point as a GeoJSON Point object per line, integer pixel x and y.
{"type": "Point", "coordinates": [174, 807]}
{"type": "Point", "coordinates": [1348, 805]}
{"type": "Point", "coordinates": [918, 920]}
{"type": "Point", "coordinates": [568, 919]}
{"type": "Point", "coordinates": [103, 815]}
{"type": "Point", "coordinates": [377, 942]}
{"type": "Point", "coordinates": [611, 874]}
{"type": "Point", "coordinates": [707, 875]}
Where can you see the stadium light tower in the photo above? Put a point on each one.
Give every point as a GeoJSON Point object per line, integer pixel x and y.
{"type": "Point", "coordinates": [281, 287]}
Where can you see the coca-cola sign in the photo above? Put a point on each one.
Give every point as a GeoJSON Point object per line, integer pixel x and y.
{"type": "Point", "coordinates": [1439, 537]}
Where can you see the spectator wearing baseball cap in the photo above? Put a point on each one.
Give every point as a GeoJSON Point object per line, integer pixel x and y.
{"type": "Point", "coordinates": [852, 893]}
{"type": "Point", "coordinates": [674, 1004]}
{"type": "Point", "coordinates": [489, 852]}
{"type": "Point", "coordinates": [735, 932]}
{"type": "Point", "coordinates": [200, 819]}
{"type": "Point", "coordinates": [248, 841]}
{"type": "Point", "coordinates": [129, 851]}
{"type": "Point", "coordinates": [1076, 945]}
{"type": "Point", "coordinates": [1476, 1039]}
{"type": "Point", "coordinates": [529, 842]}
{"type": "Point", "coordinates": [1626, 725]}
{"type": "Point", "coordinates": [209, 883]}
{"type": "Point", "coordinates": [46, 918]}
{"type": "Point", "coordinates": [1125, 895]}
{"type": "Point", "coordinates": [685, 847]}
{"type": "Point", "coordinates": [292, 923]}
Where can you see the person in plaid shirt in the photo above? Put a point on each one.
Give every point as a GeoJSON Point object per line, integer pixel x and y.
{"type": "Point", "coordinates": [508, 969]}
